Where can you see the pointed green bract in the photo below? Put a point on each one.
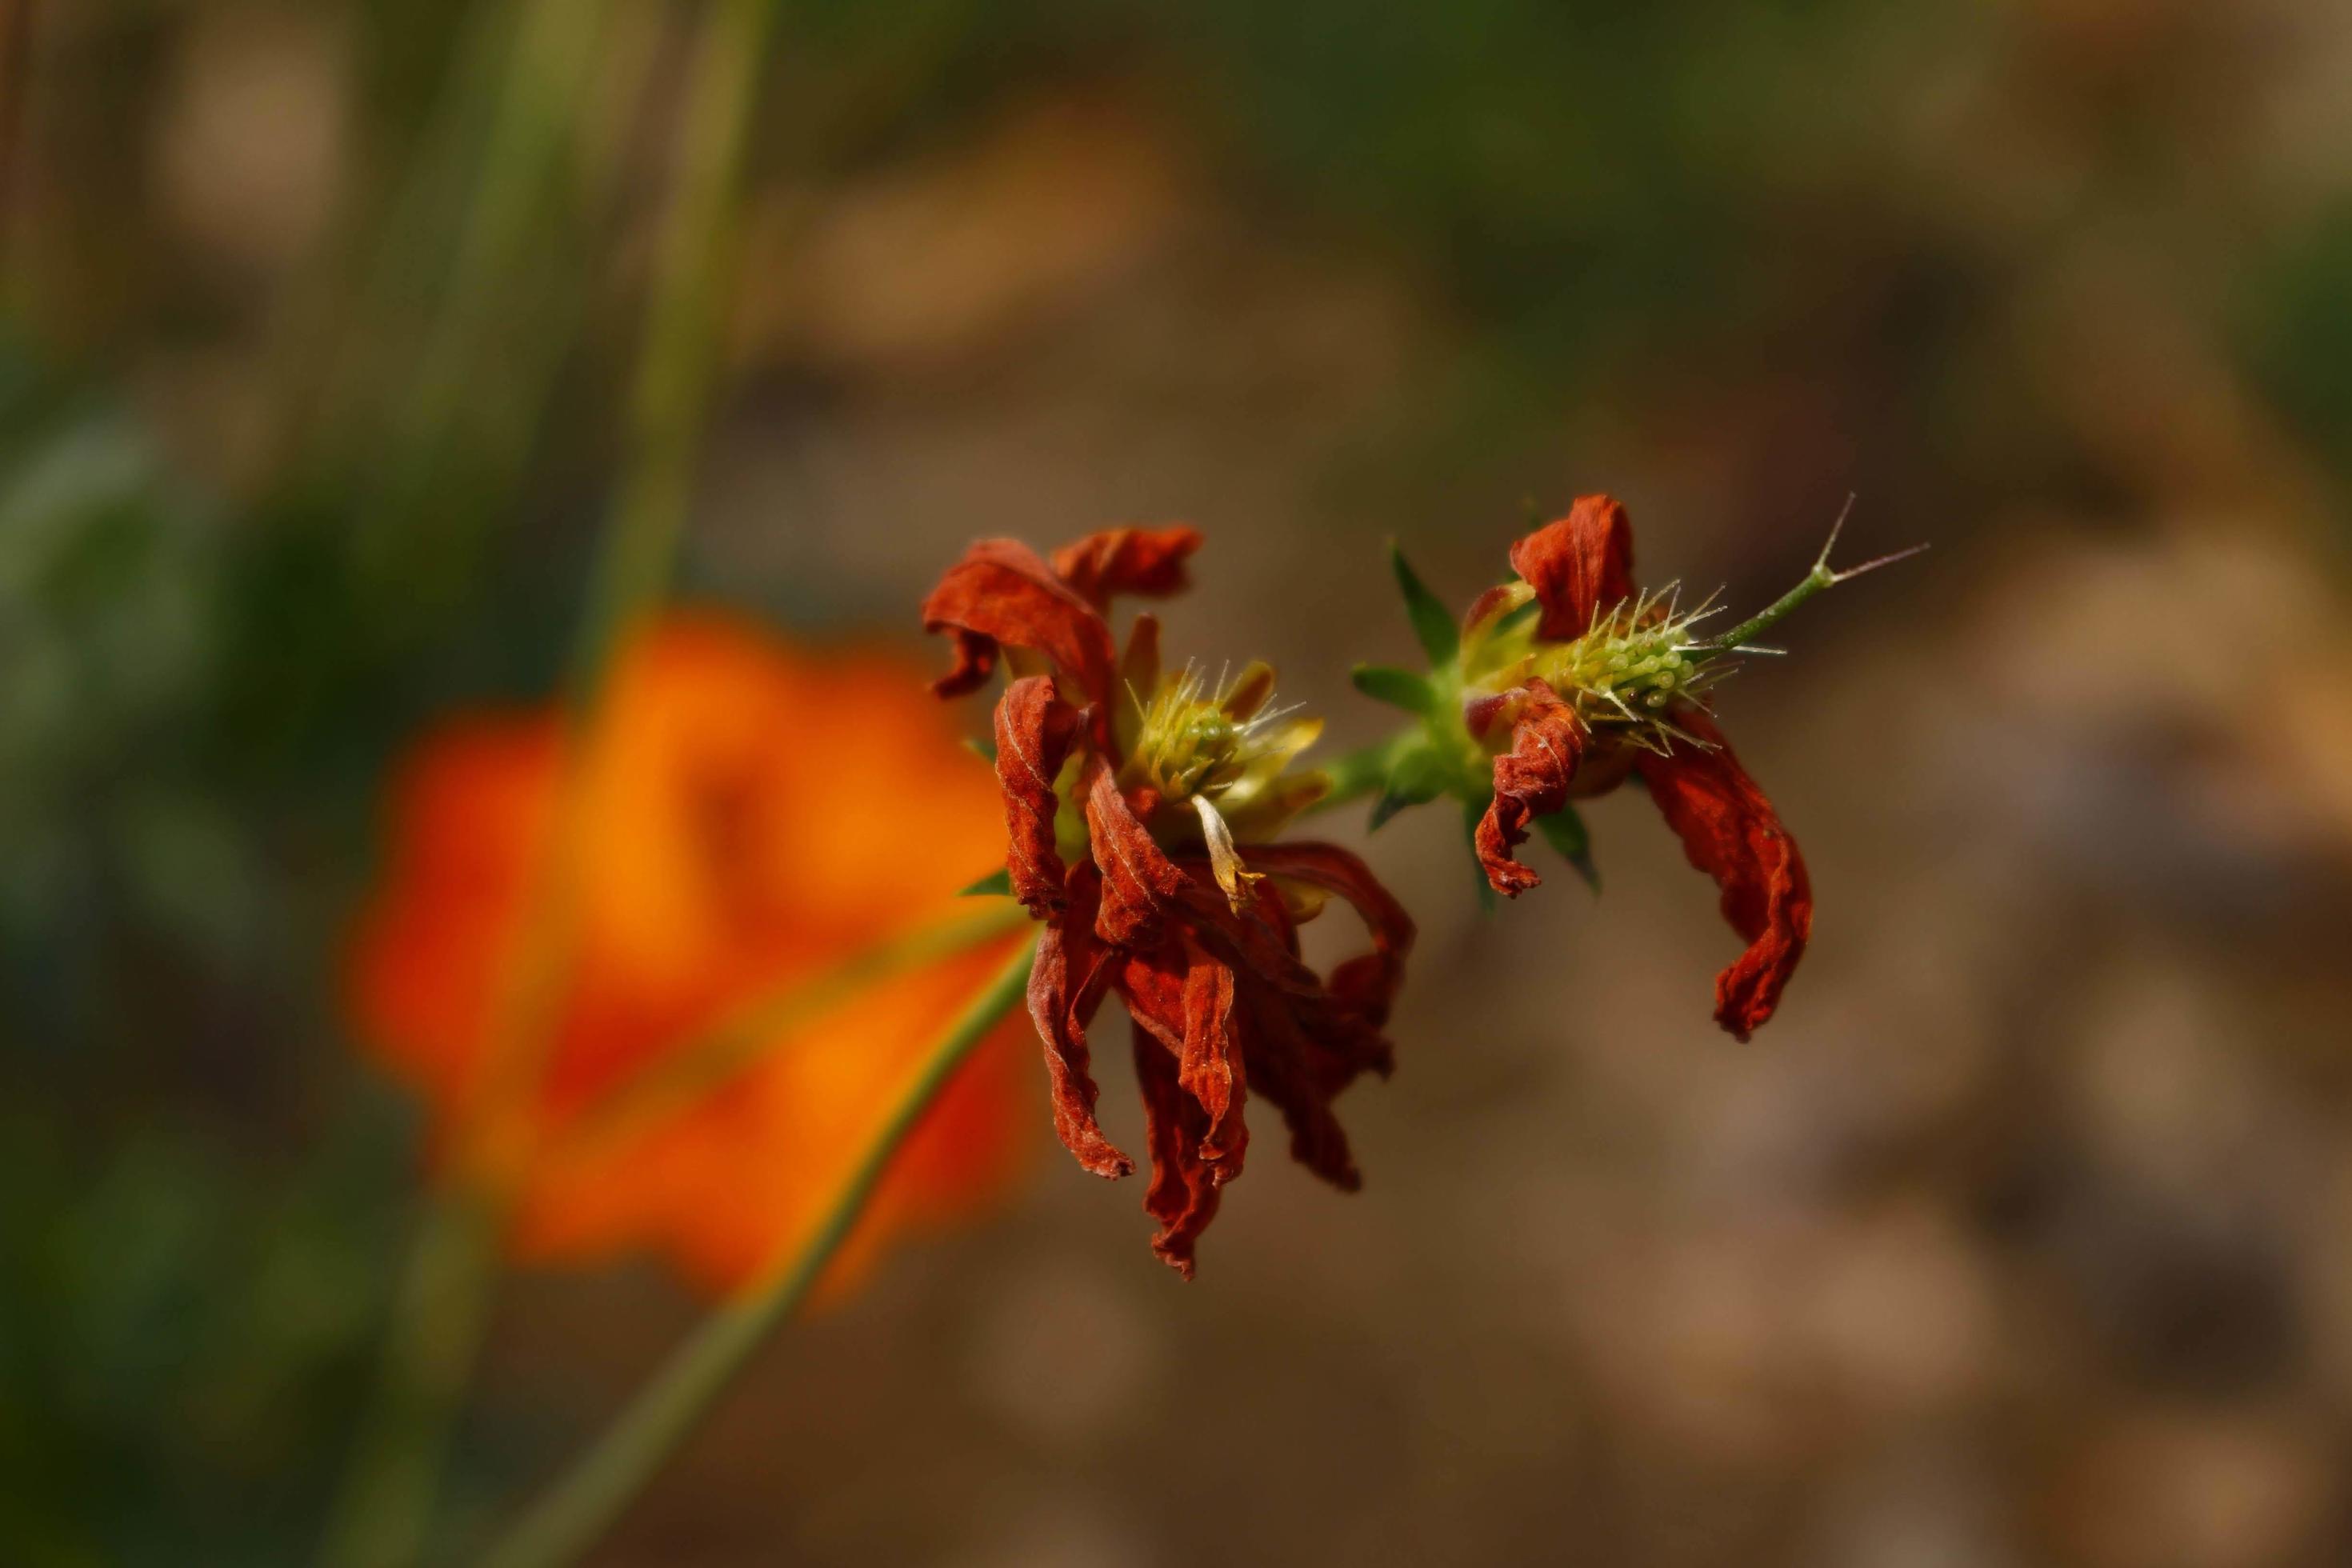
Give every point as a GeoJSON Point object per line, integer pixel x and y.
{"type": "Point", "coordinates": [1564, 831]}
{"type": "Point", "coordinates": [1431, 623]}
{"type": "Point", "coordinates": [1417, 778]}
{"type": "Point", "coordinates": [981, 746]}
{"type": "Point", "coordinates": [1513, 620]}
{"type": "Point", "coordinates": [996, 884]}
{"type": "Point", "coordinates": [1397, 688]}
{"type": "Point", "coordinates": [1472, 812]}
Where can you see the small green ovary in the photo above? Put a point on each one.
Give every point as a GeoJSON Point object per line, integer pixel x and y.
{"type": "Point", "coordinates": [1198, 741]}
{"type": "Point", "coordinates": [1188, 747]}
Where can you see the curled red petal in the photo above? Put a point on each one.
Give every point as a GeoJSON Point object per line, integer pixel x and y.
{"type": "Point", "coordinates": [1073, 972]}
{"type": "Point", "coordinates": [1141, 886]}
{"type": "Point", "coordinates": [1001, 592]}
{"type": "Point", "coordinates": [1034, 732]}
{"type": "Point", "coordinates": [1304, 1040]}
{"type": "Point", "coordinates": [1300, 1070]}
{"type": "Point", "coordinates": [1209, 1064]}
{"type": "Point", "coordinates": [1185, 1185]}
{"type": "Point", "coordinates": [975, 661]}
{"type": "Point", "coordinates": [1368, 982]}
{"type": "Point", "coordinates": [1183, 996]}
{"type": "Point", "coordinates": [1486, 606]}
{"type": "Point", "coordinates": [1579, 566]}
{"type": "Point", "coordinates": [1531, 779]}
{"type": "Point", "coordinates": [1145, 562]}
{"type": "Point", "coordinates": [1730, 831]}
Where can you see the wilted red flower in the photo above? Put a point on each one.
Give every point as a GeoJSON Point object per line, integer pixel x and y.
{"type": "Point", "coordinates": [1602, 686]}
{"type": "Point", "coordinates": [735, 797]}
{"type": "Point", "coordinates": [1138, 805]}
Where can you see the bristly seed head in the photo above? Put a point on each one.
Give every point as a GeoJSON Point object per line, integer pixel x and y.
{"type": "Point", "coordinates": [1639, 657]}
{"type": "Point", "coordinates": [1196, 739]}
{"type": "Point", "coordinates": [1642, 655]}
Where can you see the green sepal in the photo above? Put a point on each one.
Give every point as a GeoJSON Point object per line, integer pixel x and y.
{"type": "Point", "coordinates": [1472, 812]}
{"type": "Point", "coordinates": [1431, 623]}
{"type": "Point", "coordinates": [981, 746]}
{"type": "Point", "coordinates": [1416, 778]}
{"type": "Point", "coordinates": [1516, 616]}
{"type": "Point", "coordinates": [996, 884]}
{"type": "Point", "coordinates": [1397, 688]}
{"type": "Point", "coordinates": [1564, 831]}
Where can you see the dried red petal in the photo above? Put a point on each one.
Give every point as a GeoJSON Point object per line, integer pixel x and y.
{"type": "Point", "coordinates": [1579, 566]}
{"type": "Point", "coordinates": [1072, 973]}
{"type": "Point", "coordinates": [1531, 779]}
{"type": "Point", "coordinates": [1001, 592]}
{"type": "Point", "coordinates": [1183, 996]}
{"type": "Point", "coordinates": [1146, 561]}
{"type": "Point", "coordinates": [1034, 732]}
{"type": "Point", "coordinates": [1300, 1070]}
{"type": "Point", "coordinates": [1486, 606]}
{"type": "Point", "coordinates": [1730, 831]}
{"type": "Point", "coordinates": [1141, 886]}
{"type": "Point", "coordinates": [1185, 1185]}
{"type": "Point", "coordinates": [1307, 1041]}
{"type": "Point", "coordinates": [1366, 983]}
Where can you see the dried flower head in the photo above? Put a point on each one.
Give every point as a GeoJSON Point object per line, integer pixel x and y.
{"type": "Point", "coordinates": [1140, 806]}
{"type": "Point", "coordinates": [1565, 683]}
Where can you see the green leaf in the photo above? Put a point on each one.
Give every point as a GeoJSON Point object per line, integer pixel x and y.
{"type": "Point", "coordinates": [1564, 831]}
{"type": "Point", "coordinates": [1432, 622]}
{"type": "Point", "coordinates": [983, 746]}
{"type": "Point", "coordinates": [1472, 811]}
{"type": "Point", "coordinates": [1397, 688]}
{"type": "Point", "coordinates": [996, 884]}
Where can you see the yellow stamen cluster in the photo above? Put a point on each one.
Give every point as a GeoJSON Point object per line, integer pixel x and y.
{"type": "Point", "coordinates": [1224, 752]}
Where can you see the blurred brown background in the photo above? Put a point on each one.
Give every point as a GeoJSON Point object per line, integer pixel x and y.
{"type": "Point", "coordinates": [2023, 1234]}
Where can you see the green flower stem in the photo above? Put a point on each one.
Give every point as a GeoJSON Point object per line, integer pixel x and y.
{"type": "Point", "coordinates": [381, 1516]}
{"type": "Point", "coordinates": [438, 1316]}
{"type": "Point", "coordinates": [670, 402]}
{"type": "Point", "coordinates": [694, 264]}
{"type": "Point", "coordinates": [1821, 577]}
{"type": "Point", "coordinates": [1772, 615]}
{"type": "Point", "coordinates": [587, 1499]}
{"type": "Point", "coordinates": [680, 1078]}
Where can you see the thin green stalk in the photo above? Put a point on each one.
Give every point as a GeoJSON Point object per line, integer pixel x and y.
{"type": "Point", "coordinates": [381, 1516]}
{"type": "Point", "coordinates": [693, 266]}
{"type": "Point", "coordinates": [1821, 577]}
{"type": "Point", "coordinates": [437, 1319]}
{"type": "Point", "coordinates": [591, 1496]}
{"type": "Point", "coordinates": [680, 1078]}
{"type": "Point", "coordinates": [668, 406]}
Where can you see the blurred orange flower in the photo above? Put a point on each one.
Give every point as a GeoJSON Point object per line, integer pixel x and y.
{"type": "Point", "coordinates": [749, 816]}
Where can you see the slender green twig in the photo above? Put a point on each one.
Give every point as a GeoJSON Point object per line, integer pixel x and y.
{"type": "Point", "coordinates": [1821, 577]}
{"type": "Point", "coordinates": [679, 1079]}
{"type": "Point", "coordinates": [669, 404]}
{"type": "Point", "coordinates": [694, 264]}
{"type": "Point", "coordinates": [588, 1497]}
{"type": "Point", "coordinates": [437, 1325]}
{"type": "Point", "coordinates": [381, 1516]}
